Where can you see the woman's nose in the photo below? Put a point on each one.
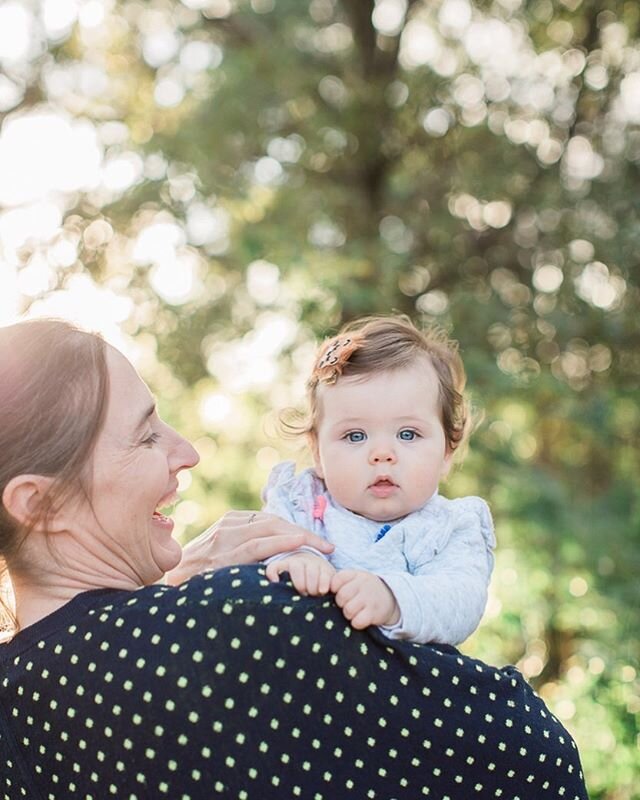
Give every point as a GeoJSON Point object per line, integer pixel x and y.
{"type": "Point", "coordinates": [183, 455]}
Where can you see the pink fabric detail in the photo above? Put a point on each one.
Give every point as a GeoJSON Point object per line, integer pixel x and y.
{"type": "Point", "coordinates": [319, 507]}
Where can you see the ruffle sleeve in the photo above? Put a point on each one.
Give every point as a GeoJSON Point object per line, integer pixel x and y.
{"type": "Point", "coordinates": [292, 496]}
{"type": "Point", "coordinates": [467, 519]}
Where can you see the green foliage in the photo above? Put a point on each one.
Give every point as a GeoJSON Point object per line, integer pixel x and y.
{"type": "Point", "coordinates": [482, 177]}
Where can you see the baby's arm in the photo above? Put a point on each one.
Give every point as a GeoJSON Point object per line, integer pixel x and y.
{"type": "Point", "coordinates": [309, 569]}
{"type": "Point", "coordinates": [444, 599]}
{"type": "Point", "coordinates": [364, 598]}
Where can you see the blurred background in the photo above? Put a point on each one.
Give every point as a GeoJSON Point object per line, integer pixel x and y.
{"type": "Point", "coordinates": [214, 184]}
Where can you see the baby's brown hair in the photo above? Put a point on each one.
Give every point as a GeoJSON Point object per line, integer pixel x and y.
{"type": "Point", "coordinates": [377, 344]}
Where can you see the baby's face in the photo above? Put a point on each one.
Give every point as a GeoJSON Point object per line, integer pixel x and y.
{"type": "Point", "coordinates": [380, 446]}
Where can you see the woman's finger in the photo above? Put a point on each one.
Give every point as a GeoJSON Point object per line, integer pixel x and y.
{"type": "Point", "coordinates": [235, 516]}
{"type": "Point", "coordinates": [270, 525]}
{"type": "Point", "coordinates": [260, 548]}
{"type": "Point", "coordinates": [253, 550]}
{"type": "Point", "coordinates": [243, 537]}
{"type": "Point", "coordinates": [244, 526]}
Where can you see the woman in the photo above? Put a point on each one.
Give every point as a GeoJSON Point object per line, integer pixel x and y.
{"type": "Point", "coordinates": [114, 685]}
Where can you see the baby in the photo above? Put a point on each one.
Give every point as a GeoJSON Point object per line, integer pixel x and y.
{"type": "Point", "coordinates": [386, 417]}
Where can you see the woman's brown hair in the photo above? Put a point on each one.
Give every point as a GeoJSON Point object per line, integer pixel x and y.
{"type": "Point", "coordinates": [53, 396]}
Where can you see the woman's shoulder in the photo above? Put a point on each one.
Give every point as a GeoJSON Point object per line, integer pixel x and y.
{"type": "Point", "coordinates": [175, 612]}
{"type": "Point", "coordinates": [227, 654]}
{"type": "Point", "coordinates": [146, 642]}
{"type": "Point", "coordinates": [106, 622]}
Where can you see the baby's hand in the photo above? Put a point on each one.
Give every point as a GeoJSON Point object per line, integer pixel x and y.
{"type": "Point", "coordinates": [365, 599]}
{"type": "Point", "coordinates": [310, 574]}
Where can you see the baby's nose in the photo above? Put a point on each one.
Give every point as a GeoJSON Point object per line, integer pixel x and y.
{"type": "Point", "coordinates": [382, 455]}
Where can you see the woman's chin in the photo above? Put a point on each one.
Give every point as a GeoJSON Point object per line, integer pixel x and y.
{"type": "Point", "coordinates": [167, 553]}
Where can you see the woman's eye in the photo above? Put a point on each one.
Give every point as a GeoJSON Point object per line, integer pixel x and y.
{"type": "Point", "coordinates": [152, 438]}
{"type": "Point", "coordinates": [355, 436]}
{"type": "Point", "coordinates": [407, 435]}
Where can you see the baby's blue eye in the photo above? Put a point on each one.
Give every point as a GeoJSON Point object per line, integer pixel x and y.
{"type": "Point", "coordinates": [356, 436]}
{"type": "Point", "coordinates": [407, 435]}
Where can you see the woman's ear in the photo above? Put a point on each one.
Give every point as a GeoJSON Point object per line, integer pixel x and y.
{"type": "Point", "coordinates": [23, 498]}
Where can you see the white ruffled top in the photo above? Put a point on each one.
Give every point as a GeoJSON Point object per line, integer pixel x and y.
{"type": "Point", "coordinates": [437, 561]}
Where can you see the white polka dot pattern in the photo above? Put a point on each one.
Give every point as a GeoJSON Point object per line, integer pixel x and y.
{"type": "Point", "coordinates": [231, 686]}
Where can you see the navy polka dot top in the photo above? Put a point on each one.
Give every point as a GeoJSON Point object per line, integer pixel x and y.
{"type": "Point", "coordinates": [230, 686]}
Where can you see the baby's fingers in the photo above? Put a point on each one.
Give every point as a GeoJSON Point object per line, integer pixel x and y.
{"type": "Point", "coordinates": [297, 569]}
{"type": "Point", "coordinates": [324, 579]}
{"type": "Point", "coordinates": [312, 578]}
{"type": "Point", "coordinates": [319, 577]}
{"type": "Point", "coordinates": [354, 608]}
{"type": "Point", "coordinates": [341, 580]}
{"type": "Point", "coordinates": [362, 619]}
{"type": "Point", "coordinates": [276, 568]}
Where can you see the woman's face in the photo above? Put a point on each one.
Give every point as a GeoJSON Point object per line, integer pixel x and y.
{"type": "Point", "coordinates": [134, 473]}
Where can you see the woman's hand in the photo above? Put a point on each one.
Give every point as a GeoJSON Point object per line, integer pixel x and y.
{"type": "Point", "coordinates": [242, 537]}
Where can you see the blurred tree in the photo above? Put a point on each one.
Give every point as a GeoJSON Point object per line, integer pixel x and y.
{"type": "Point", "coordinates": [275, 167]}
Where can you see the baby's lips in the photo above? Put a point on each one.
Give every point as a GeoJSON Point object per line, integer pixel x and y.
{"type": "Point", "coordinates": [384, 481]}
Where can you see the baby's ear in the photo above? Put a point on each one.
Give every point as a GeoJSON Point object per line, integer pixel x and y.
{"type": "Point", "coordinates": [312, 442]}
{"type": "Point", "coordinates": [447, 462]}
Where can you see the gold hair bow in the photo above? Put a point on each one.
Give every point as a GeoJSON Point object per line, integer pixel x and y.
{"type": "Point", "coordinates": [333, 357]}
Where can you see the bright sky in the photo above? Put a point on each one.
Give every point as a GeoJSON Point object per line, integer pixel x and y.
{"type": "Point", "coordinates": [48, 156]}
